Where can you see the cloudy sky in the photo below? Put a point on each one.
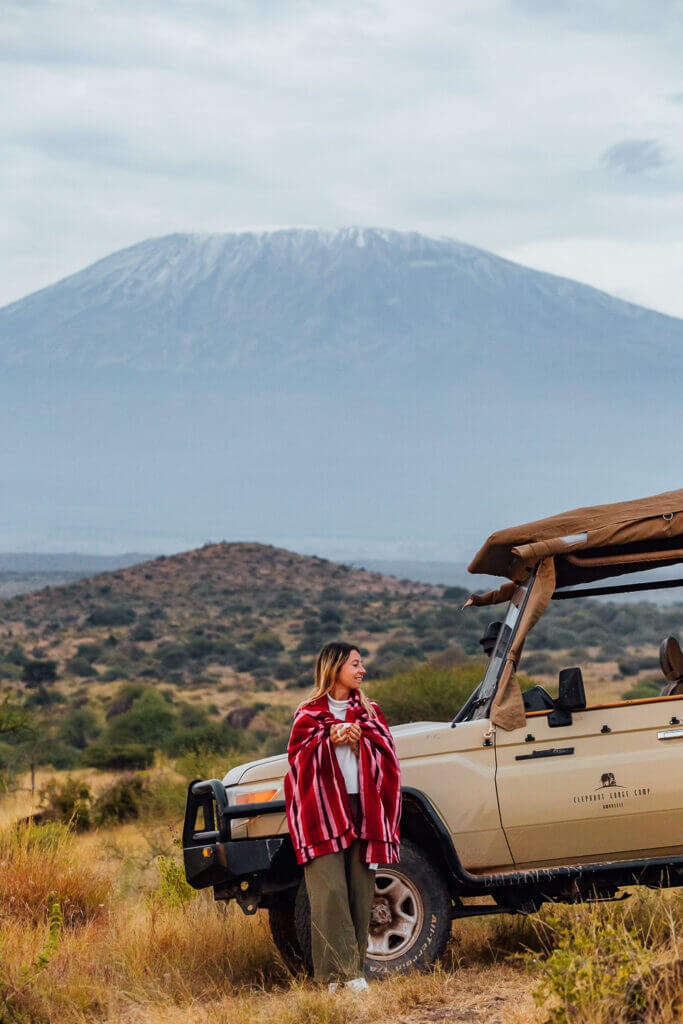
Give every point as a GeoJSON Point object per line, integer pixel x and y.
{"type": "Point", "coordinates": [548, 131]}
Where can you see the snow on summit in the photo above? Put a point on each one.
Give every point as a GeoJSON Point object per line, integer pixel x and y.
{"type": "Point", "coordinates": [287, 297]}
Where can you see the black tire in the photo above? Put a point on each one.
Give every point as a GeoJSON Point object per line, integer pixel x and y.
{"type": "Point", "coordinates": [283, 930]}
{"type": "Point", "coordinates": [411, 916]}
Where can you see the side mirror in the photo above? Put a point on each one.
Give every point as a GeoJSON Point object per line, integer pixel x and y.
{"type": "Point", "coordinates": [571, 697]}
{"type": "Point", "coordinates": [571, 691]}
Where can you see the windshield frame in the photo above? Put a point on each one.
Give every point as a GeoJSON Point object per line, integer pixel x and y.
{"type": "Point", "coordinates": [478, 704]}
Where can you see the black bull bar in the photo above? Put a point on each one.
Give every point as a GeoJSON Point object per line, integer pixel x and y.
{"type": "Point", "coordinates": [212, 856]}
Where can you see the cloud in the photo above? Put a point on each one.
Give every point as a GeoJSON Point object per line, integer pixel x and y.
{"type": "Point", "coordinates": [634, 156]}
{"type": "Point", "coordinates": [479, 120]}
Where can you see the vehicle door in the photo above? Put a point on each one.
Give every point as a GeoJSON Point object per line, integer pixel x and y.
{"type": "Point", "coordinates": [455, 769]}
{"type": "Point", "coordinates": [607, 785]}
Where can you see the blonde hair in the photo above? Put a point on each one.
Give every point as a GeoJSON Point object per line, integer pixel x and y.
{"type": "Point", "coordinates": [327, 666]}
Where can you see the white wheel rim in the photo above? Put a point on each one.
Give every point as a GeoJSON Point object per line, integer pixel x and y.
{"type": "Point", "coordinates": [397, 916]}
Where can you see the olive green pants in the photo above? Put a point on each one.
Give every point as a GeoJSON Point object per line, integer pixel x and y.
{"type": "Point", "coordinates": [341, 888]}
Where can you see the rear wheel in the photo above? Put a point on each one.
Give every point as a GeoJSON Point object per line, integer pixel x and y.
{"type": "Point", "coordinates": [410, 922]}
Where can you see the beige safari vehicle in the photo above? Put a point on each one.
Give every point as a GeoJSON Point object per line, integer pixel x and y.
{"type": "Point", "coordinates": [521, 799]}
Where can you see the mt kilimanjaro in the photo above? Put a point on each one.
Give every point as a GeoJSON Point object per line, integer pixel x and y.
{"type": "Point", "coordinates": [287, 298]}
{"type": "Point", "coordinates": [324, 389]}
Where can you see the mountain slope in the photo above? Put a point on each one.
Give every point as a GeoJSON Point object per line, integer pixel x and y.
{"type": "Point", "coordinates": [334, 390]}
{"type": "Point", "coordinates": [290, 297]}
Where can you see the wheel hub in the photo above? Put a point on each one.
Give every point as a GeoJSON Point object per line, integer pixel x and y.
{"type": "Point", "coordinates": [397, 915]}
{"type": "Point", "coordinates": [381, 914]}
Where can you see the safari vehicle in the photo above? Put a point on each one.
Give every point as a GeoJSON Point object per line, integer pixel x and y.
{"type": "Point", "coordinates": [520, 799]}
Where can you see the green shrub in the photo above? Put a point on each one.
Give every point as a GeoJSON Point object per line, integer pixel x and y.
{"type": "Point", "coordinates": [122, 801]}
{"type": "Point", "coordinates": [111, 615]}
{"type": "Point", "coordinates": [142, 633]}
{"type": "Point", "coordinates": [631, 666]}
{"type": "Point", "coordinates": [68, 802]}
{"type": "Point", "coordinates": [540, 661]}
{"type": "Point", "coordinates": [150, 721]}
{"type": "Point", "coordinates": [643, 689]}
{"type": "Point", "coordinates": [426, 693]}
{"type": "Point", "coordinates": [81, 667]}
{"type": "Point", "coordinates": [592, 970]}
{"type": "Point", "coordinates": [91, 652]}
{"type": "Point", "coordinates": [78, 726]}
{"type": "Point", "coordinates": [266, 643]}
{"type": "Point", "coordinates": [39, 672]}
{"type": "Point", "coordinates": [124, 757]}
{"type": "Point", "coordinates": [173, 890]}
{"type": "Point", "coordinates": [16, 655]}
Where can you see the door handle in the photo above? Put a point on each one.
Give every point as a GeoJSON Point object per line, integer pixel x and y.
{"type": "Point", "coordinates": [550, 752]}
{"type": "Point", "coordinates": [670, 734]}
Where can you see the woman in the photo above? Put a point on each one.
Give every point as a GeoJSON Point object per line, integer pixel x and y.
{"type": "Point", "coordinates": [343, 796]}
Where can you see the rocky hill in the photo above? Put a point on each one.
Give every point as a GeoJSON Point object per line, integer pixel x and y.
{"type": "Point", "coordinates": [197, 648]}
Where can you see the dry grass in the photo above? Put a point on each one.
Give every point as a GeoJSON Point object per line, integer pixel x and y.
{"type": "Point", "coordinates": [41, 867]}
{"type": "Point", "coordinates": [128, 953]}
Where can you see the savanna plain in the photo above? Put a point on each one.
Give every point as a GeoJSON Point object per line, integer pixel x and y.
{"type": "Point", "coordinates": [119, 690]}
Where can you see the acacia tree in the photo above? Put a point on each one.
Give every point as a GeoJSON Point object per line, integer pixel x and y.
{"type": "Point", "coordinates": [18, 724]}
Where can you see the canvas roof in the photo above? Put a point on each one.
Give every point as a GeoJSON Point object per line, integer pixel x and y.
{"type": "Point", "coordinates": [591, 543]}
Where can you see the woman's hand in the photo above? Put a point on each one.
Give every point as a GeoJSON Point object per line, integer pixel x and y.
{"type": "Point", "coordinates": [338, 734]}
{"type": "Point", "coordinates": [354, 733]}
{"type": "Point", "coordinates": [346, 732]}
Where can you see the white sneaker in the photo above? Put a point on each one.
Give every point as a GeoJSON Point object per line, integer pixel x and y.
{"type": "Point", "coordinates": [333, 986]}
{"type": "Point", "coordinates": [358, 984]}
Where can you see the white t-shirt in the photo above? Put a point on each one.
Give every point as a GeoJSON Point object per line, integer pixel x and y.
{"type": "Point", "coordinates": [348, 762]}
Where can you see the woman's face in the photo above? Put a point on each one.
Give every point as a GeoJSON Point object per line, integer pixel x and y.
{"type": "Point", "coordinates": [351, 673]}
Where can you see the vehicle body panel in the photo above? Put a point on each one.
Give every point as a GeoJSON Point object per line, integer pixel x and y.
{"type": "Point", "coordinates": [617, 793]}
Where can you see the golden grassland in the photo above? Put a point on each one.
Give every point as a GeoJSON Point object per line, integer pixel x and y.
{"type": "Point", "coordinates": [101, 927]}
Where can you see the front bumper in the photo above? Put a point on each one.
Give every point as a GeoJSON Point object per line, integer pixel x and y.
{"type": "Point", "coordinates": [243, 869]}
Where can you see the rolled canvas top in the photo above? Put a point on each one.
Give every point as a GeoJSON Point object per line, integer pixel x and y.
{"type": "Point", "coordinates": [591, 543]}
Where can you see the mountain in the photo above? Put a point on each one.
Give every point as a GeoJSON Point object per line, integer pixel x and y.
{"type": "Point", "coordinates": [329, 390]}
{"type": "Point", "coordinates": [351, 295]}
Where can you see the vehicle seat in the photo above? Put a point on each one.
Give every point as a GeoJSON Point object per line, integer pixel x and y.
{"type": "Point", "coordinates": [537, 699]}
{"type": "Point", "coordinates": [671, 661]}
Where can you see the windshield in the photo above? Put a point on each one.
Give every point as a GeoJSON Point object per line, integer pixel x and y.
{"type": "Point", "coordinates": [478, 704]}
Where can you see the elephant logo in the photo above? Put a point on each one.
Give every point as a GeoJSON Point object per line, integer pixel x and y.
{"type": "Point", "coordinates": [607, 781]}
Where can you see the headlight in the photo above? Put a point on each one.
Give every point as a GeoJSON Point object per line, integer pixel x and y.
{"type": "Point", "coordinates": [259, 796]}
{"type": "Point", "coordinates": [251, 795]}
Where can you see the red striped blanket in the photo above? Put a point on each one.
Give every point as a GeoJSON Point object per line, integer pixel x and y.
{"type": "Point", "coordinates": [318, 809]}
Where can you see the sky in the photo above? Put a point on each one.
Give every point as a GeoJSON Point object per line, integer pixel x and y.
{"type": "Point", "coordinates": [548, 131]}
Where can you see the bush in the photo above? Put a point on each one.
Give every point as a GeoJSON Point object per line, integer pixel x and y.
{"type": "Point", "coordinates": [631, 666]}
{"type": "Point", "coordinates": [39, 672]}
{"type": "Point", "coordinates": [68, 802]}
{"type": "Point", "coordinates": [150, 721]}
{"type": "Point", "coordinates": [643, 689]}
{"type": "Point", "coordinates": [142, 633]}
{"type": "Point", "coordinates": [111, 615]}
{"type": "Point", "coordinates": [540, 661]}
{"type": "Point", "coordinates": [173, 890]}
{"type": "Point", "coordinates": [78, 726]}
{"type": "Point", "coordinates": [426, 693]}
{"type": "Point", "coordinates": [123, 801]}
{"type": "Point", "coordinates": [124, 757]}
{"type": "Point", "coordinates": [81, 667]}
{"type": "Point", "coordinates": [590, 973]}
{"type": "Point", "coordinates": [90, 652]}
{"type": "Point", "coordinates": [266, 644]}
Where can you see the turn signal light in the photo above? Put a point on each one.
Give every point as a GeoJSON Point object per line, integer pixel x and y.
{"type": "Point", "coordinates": [261, 797]}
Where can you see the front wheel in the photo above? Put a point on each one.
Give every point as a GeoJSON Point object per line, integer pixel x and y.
{"type": "Point", "coordinates": [410, 922]}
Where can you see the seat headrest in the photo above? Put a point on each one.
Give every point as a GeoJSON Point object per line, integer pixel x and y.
{"type": "Point", "coordinates": [671, 659]}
